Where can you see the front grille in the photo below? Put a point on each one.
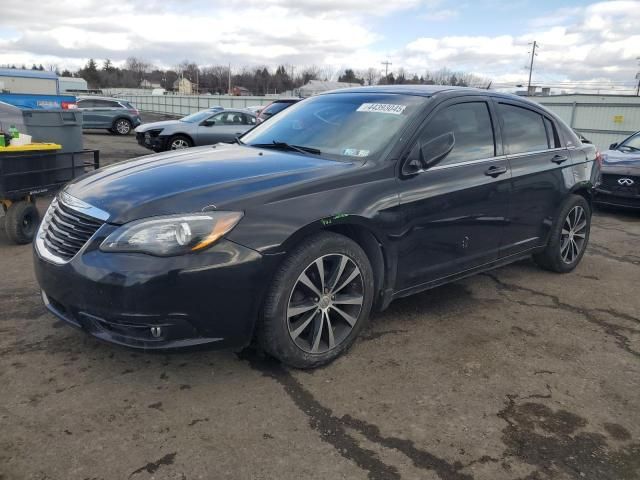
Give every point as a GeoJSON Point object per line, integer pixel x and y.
{"type": "Point", "coordinates": [65, 231]}
{"type": "Point", "coordinates": [610, 182]}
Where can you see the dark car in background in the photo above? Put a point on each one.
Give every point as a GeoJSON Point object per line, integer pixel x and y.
{"type": "Point", "coordinates": [116, 115]}
{"type": "Point", "coordinates": [276, 107]}
{"type": "Point", "coordinates": [205, 127]}
{"type": "Point", "coordinates": [337, 206]}
{"type": "Point", "coordinates": [619, 184]}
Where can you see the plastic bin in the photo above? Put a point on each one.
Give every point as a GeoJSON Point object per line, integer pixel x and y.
{"type": "Point", "coordinates": [58, 126]}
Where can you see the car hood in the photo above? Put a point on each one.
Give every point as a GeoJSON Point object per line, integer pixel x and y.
{"type": "Point", "coordinates": [622, 163]}
{"type": "Point", "coordinates": [145, 127]}
{"type": "Point", "coordinates": [219, 176]}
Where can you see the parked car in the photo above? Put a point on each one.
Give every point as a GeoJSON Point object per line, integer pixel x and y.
{"type": "Point", "coordinates": [201, 128]}
{"type": "Point", "coordinates": [276, 107]}
{"type": "Point", "coordinates": [116, 115]}
{"type": "Point", "coordinates": [255, 109]}
{"type": "Point", "coordinates": [337, 206]}
{"type": "Point", "coordinates": [619, 184]}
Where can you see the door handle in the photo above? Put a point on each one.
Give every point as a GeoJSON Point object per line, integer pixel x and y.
{"type": "Point", "coordinates": [494, 171]}
{"type": "Point", "coordinates": [559, 159]}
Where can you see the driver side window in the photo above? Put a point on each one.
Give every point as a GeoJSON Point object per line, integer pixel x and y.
{"type": "Point", "coordinates": [470, 124]}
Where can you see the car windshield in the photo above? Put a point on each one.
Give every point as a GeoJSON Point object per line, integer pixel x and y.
{"type": "Point", "coordinates": [341, 126]}
{"type": "Point", "coordinates": [632, 143]}
{"type": "Point", "coordinates": [197, 117]}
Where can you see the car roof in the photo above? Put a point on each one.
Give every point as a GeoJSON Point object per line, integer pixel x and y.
{"type": "Point", "coordinates": [235, 110]}
{"type": "Point", "coordinates": [431, 90]}
{"type": "Point", "coordinates": [98, 97]}
{"type": "Point", "coordinates": [418, 90]}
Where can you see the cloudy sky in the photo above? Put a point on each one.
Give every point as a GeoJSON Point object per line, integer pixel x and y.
{"type": "Point", "coordinates": [580, 41]}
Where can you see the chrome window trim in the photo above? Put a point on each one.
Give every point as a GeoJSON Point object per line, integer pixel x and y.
{"type": "Point", "coordinates": [468, 162]}
{"type": "Point", "coordinates": [535, 152]}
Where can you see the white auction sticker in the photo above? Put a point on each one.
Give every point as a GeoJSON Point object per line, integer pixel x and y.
{"type": "Point", "coordinates": [354, 152]}
{"type": "Point", "coordinates": [382, 108]}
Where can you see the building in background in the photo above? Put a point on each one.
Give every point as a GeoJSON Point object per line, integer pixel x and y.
{"type": "Point", "coordinates": [183, 86]}
{"type": "Point", "coordinates": [240, 92]}
{"type": "Point", "coordinates": [603, 119]}
{"type": "Point", "coordinates": [147, 84]}
{"type": "Point", "coordinates": [73, 85]}
{"type": "Point", "coordinates": [13, 80]}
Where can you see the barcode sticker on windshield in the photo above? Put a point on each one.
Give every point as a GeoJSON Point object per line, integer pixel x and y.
{"type": "Point", "coordinates": [354, 152]}
{"type": "Point", "coordinates": [382, 108]}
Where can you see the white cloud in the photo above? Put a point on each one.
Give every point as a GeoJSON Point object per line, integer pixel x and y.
{"type": "Point", "coordinates": [440, 15]}
{"type": "Point", "coordinates": [599, 41]}
{"type": "Point", "coordinates": [594, 41]}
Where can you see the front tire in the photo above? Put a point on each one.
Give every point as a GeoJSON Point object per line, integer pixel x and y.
{"type": "Point", "coordinates": [122, 126]}
{"type": "Point", "coordinates": [569, 237]}
{"type": "Point", "coordinates": [179, 142]}
{"type": "Point", "coordinates": [22, 222]}
{"type": "Point", "coordinates": [318, 303]}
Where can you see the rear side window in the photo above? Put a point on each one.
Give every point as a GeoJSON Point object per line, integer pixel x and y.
{"type": "Point", "coordinates": [471, 126]}
{"type": "Point", "coordinates": [552, 134]}
{"type": "Point", "coordinates": [106, 104]}
{"type": "Point", "coordinates": [85, 104]}
{"type": "Point", "coordinates": [524, 130]}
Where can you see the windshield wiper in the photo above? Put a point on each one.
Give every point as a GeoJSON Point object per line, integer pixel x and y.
{"type": "Point", "coordinates": [285, 146]}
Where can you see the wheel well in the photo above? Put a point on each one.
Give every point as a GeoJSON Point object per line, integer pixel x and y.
{"type": "Point", "coordinates": [184, 135]}
{"type": "Point", "coordinates": [372, 247]}
{"type": "Point", "coordinates": [586, 194]}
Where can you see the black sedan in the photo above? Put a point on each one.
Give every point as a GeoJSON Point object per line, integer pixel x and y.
{"type": "Point", "coordinates": [336, 206]}
{"type": "Point", "coordinates": [619, 184]}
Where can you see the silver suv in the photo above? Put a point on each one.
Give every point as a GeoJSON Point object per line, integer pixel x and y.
{"type": "Point", "coordinates": [116, 115]}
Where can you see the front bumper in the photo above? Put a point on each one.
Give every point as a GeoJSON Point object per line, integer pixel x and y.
{"type": "Point", "coordinates": [607, 197]}
{"type": "Point", "coordinates": [156, 143]}
{"type": "Point", "coordinates": [211, 297]}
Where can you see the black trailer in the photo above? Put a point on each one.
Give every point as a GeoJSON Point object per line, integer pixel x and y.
{"type": "Point", "coordinates": [25, 175]}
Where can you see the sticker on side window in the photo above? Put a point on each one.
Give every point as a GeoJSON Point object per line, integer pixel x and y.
{"type": "Point", "coordinates": [354, 152]}
{"type": "Point", "coordinates": [382, 108]}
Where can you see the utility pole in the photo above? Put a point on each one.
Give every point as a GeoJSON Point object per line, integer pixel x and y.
{"type": "Point", "coordinates": [229, 91]}
{"type": "Point", "coordinates": [533, 53]}
{"type": "Point", "coordinates": [386, 64]}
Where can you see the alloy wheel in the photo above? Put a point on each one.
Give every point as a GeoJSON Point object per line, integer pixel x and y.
{"type": "Point", "coordinates": [325, 303]}
{"type": "Point", "coordinates": [122, 127]}
{"type": "Point", "coordinates": [573, 235]}
{"type": "Point", "coordinates": [179, 144]}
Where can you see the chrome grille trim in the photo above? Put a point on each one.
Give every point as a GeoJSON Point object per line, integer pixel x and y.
{"type": "Point", "coordinates": [65, 229]}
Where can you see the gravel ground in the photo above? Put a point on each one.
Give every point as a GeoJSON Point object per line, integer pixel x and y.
{"type": "Point", "coordinates": [514, 374]}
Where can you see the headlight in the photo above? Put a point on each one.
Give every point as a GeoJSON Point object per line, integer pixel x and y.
{"type": "Point", "coordinates": [173, 234]}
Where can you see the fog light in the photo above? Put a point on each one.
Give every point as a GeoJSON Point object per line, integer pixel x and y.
{"type": "Point", "coordinates": [156, 332]}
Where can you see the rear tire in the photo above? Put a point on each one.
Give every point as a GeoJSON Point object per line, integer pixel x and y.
{"type": "Point", "coordinates": [122, 126]}
{"type": "Point", "coordinates": [179, 142]}
{"type": "Point", "coordinates": [22, 222]}
{"type": "Point", "coordinates": [569, 237]}
{"type": "Point", "coordinates": [306, 326]}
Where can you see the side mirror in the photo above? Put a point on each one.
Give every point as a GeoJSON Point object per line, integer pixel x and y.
{"type": "Point", "coordinates": [613, 146]}
{"type": "Point", "coordinates": [429, 154]}
{"type": "Point", "coordinates": [208, 123]}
